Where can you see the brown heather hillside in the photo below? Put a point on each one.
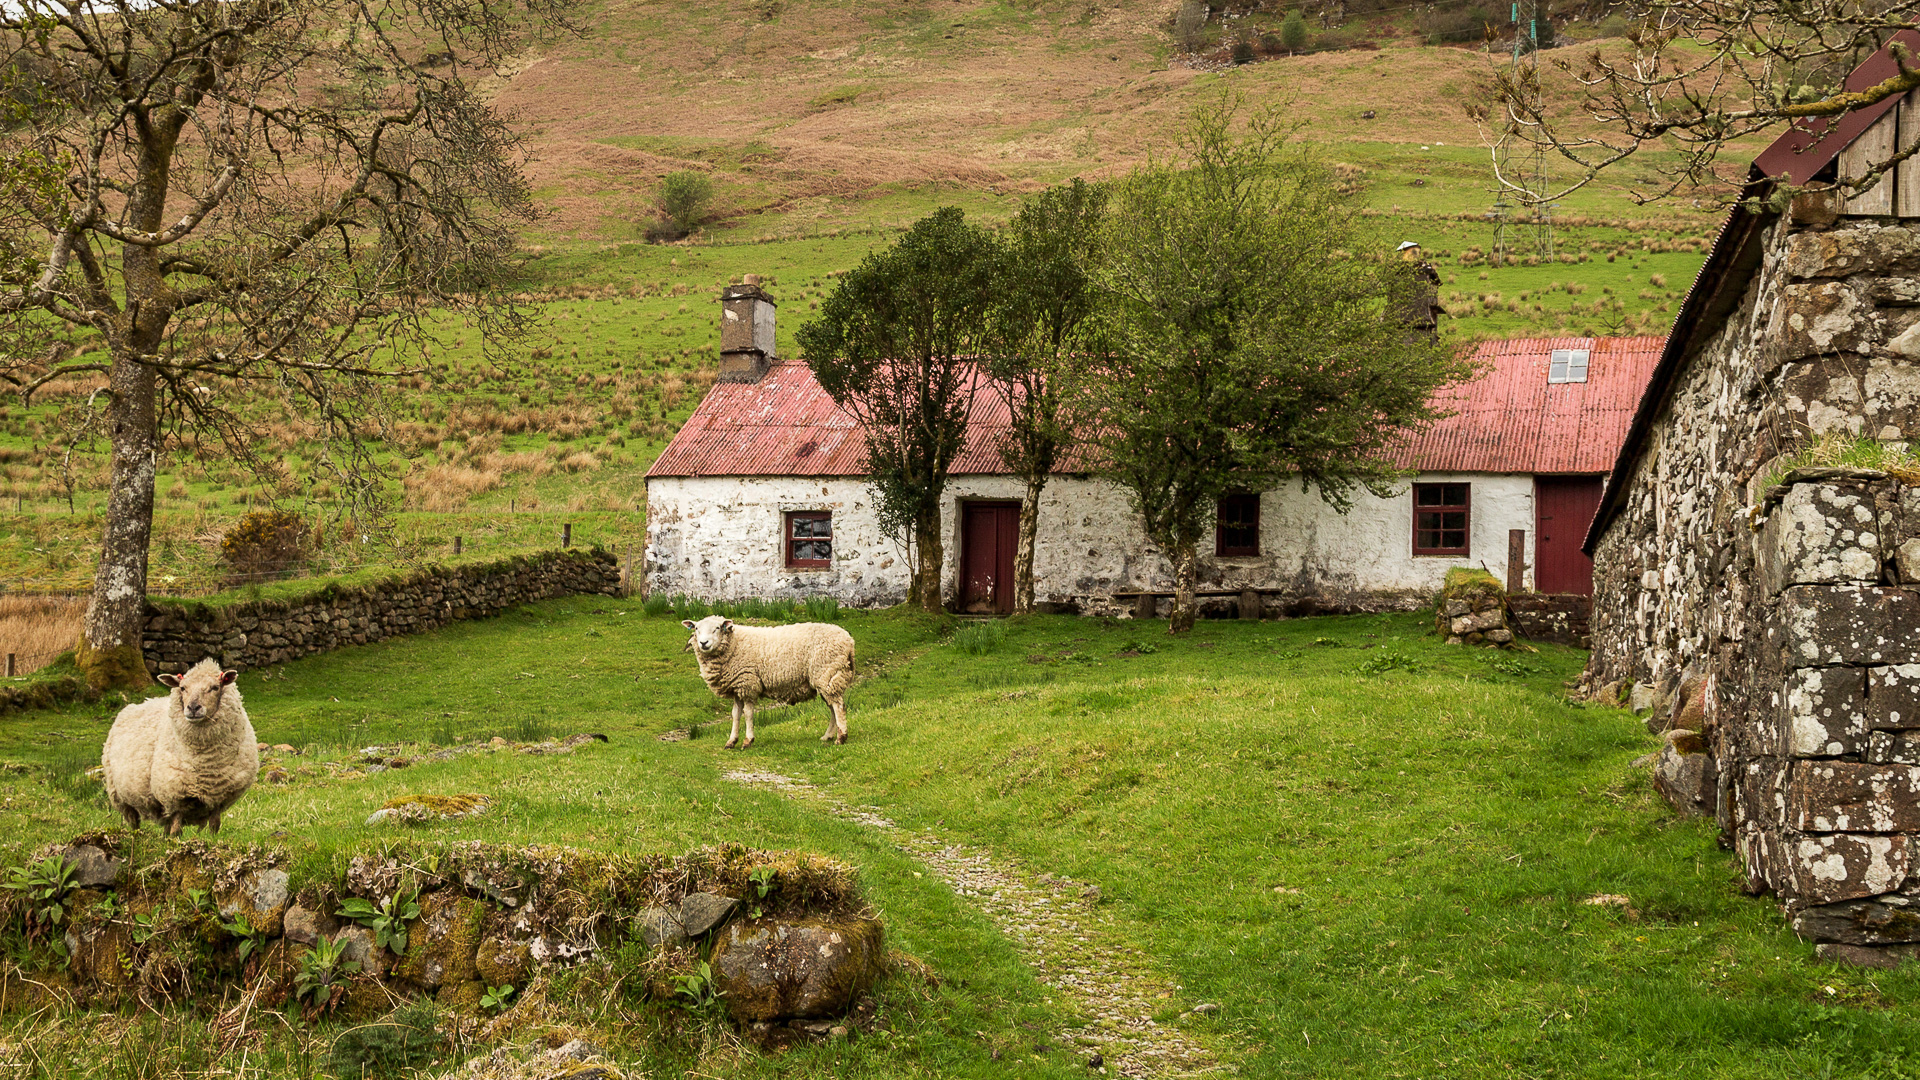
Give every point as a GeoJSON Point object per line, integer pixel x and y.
{"type": "Point", "coordinates": [802, 110]}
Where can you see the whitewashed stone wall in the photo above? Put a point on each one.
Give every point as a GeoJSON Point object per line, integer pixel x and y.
{"type": "Point", "coordinates": [719, 538]}
{"type": "Point", "coordinates": [1777, 622]}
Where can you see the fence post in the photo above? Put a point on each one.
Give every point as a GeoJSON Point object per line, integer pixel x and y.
{"type": "Point", "coordinates": [10, 667]}
{"type": "Point", "coordinates": [566, 535]}
{"type": "Point", "coordinates": [456, 545]}
{"type": "Point", "coordinates": [1516, 561]}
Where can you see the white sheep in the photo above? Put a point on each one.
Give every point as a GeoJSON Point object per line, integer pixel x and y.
{"type": "Point", "coordinates": [788, 664]}
{"type": "Point", "coordinates": [185, 758]}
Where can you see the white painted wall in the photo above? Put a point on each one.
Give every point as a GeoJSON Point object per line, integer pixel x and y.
{"type": "Point", "coordinates": [719, 538]}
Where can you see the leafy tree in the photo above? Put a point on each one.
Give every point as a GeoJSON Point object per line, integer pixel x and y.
{"type": "Point", "coordinates": [1696, 76]}
{"type": "Point", "coordinates": [1042, 301]}
{"type": "Point", "coordinates": [240, 198]}
{"type": "Point", "coordinates": [893, 346]}
{"type": "Point", "coordinates": [1243, 339]}
{"type": "Point", "coordinates": [684, 198]}
{"type": "Point", "coordinates": [1293, 31]}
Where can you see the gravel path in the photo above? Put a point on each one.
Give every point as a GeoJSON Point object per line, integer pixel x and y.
{"type": "Point", "coordinates": [1059, 928]}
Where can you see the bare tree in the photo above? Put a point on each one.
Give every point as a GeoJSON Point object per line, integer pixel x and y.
{"type": "Point", "coordinates": [1697, 75]}
{"type": "Point", "coordinates": [246, 199]}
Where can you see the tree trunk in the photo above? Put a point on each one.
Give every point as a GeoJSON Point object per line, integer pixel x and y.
{"type": "Point", "coordinates": [109, 653]}
{"type": "Point", "coordinates": [926, 538]}
{"type": "Point", "coordinates": [1023, 552]}
{"type": "Point", "coordinates": [1186, 575]}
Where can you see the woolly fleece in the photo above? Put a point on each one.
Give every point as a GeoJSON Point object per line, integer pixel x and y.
{"type": "Point", "coordinates": [166, 764]}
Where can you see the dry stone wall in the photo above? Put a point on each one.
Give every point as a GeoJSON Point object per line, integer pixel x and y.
{"type": "Point", "coordinates": [1770, 620]}
{"type": "Point", "coordinates": [257, 633]}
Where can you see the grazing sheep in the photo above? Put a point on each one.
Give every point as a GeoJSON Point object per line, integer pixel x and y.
{"type": "Point", "coordinates": [788, 664]}
{"type": "Point", "coordinates": [184, 758]}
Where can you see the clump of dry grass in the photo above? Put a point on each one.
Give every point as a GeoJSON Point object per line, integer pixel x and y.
{"type": "Point", "coordinates": [442, 488]}
{"type": "Point", "coordinates": [38, 628]}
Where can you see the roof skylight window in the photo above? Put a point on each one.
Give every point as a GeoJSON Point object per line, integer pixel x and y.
{"type": "Point", "coordinates": [1568, 365]}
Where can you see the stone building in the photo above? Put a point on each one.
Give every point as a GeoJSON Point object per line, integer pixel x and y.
{"type": "Point", "coordinates": [1769, 610]}
{"type": "Point", "coordinates": [763, 494]}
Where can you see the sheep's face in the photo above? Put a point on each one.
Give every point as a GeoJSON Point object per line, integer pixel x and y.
{"type": "Point", "coordinates": [711, 635]}
{"type": "Point", "coordinates": [198, 691]}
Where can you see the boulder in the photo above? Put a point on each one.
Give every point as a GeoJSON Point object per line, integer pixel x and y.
{"type": "Point", "coordinates": [261, 898]}
{"type": "Point", "coordinates": [701, 912]}
{"type": "Point", "coordinates": [771, 969]}
{"type": "Point", "coordinates": [445, 939]}
{"type": "Point", "coordinates": [659, 927]}
{"type": "Point", "coordinates": [92, 867]}
{"type": "Point", "coordinates": [501, 960]}
{"type": "Point", "coordinates": [306, 926]}
{"type": "Point", "coordinates": [1686, 780]}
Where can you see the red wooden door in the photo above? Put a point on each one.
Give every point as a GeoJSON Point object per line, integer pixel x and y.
{"type": "Point", "coordinates": [988, 534]}
{"type": "Point", "coordinates": [1563, 507]}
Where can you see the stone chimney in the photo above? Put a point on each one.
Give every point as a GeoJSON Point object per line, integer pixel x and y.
{"type": "Point", "coordinates": [746, 332]}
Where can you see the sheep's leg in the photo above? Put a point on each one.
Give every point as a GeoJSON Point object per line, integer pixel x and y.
{"type": "Point", "coordinates": [734, 735]}
{"type": "Point", "coordinates": [749, 742]}
{"type": "Point", "coordinates": [837, 722]}
{"type": "Point", "coordinates": [213, 824]}
{"type": "Point", "coordinates": [127, 814]}
{"type": "Point", "coordinates": [174, 823]}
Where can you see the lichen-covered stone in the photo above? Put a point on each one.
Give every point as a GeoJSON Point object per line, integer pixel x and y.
{"type": "Point", "coordinates": [501, 960]}
{"type": "Point", "coordinates": [261, 897]}
{"type": "Point", "coordinates": [1821, 534]}
{"type": "Point", "coordinates": [771, 969]}
{"type": "Point", "coordinates": [1845, 796]}
{"type": "Point", "coordinates": [1685, 779]}
{"type": "Point", "coordinates": [1822, 713]}
{"type": "Point", "coordinates": [1884, 920]}
{"type": "Point", "coordinates": [444, 940]}
{"type": "Point", "coordinates": [463, 996]}
{"type": "Point", "coordinates": [701, 912]}
{"type": "Point", "coordinates": [1826, 869]}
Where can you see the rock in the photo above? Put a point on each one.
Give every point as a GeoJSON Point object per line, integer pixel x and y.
{"type": "Point", "coordinates": [499, 961]}
{"type": "Point", "coordinates": [261, 899]}
{"type": "Point", "coordinates": [285, 748]}
{"type": "Point", "coordinates": [701, 912]}
{"type": "Point", "coordinates": [277, 775]}
{"type": "Point", "coordinates": [444, 941]}
{"type": "Point", "coordinates": [1479, 622]}
{"type": "Point", "coordinates": [576, 1050]}
{"type": "Point", "coordinates": [1686, 741]}
{"type": "Point", "coordinates": [771, 969]}
{"type": "Point", "coordinates": [358, 946]}
{"type": "Point", "coordinates": [1642, 696]}
{"type": "Point", "coordinates": [1500, 637]}
{"type": "Point", "coordinates": [660, 927]}
{"type": "Point", "coordinates": [1686, 780]}
{"type": "Point", "coordinates": [307, 926]}
{"type": "Point", "coordinates": [1206, 1008]}
{"type": "Point", "coordinates": [1879, 921]}
{"type": "Point", "coordinates": [92, 867]}
{"type": "Point", "coordinates": [1883, 956]}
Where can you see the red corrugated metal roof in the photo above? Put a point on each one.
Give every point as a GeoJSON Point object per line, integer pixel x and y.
{"type": "Point", "coordinates": [1807, 145]}
{"type": "Point", "coordinates": [1511, 420]}
{"type": "Point", "coordinates": [1508, 420]}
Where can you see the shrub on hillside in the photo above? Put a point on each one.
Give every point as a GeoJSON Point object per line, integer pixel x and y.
{"type": "Point", "coordinates": [1293, 31]}
{"type": "Point", "coordinates": [264, 543]}
{"type": "Point", "coordinates": [684, 199]}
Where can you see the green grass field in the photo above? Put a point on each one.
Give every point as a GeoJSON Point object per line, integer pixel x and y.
{"type": "Point", "coordinates": [1372, 851]}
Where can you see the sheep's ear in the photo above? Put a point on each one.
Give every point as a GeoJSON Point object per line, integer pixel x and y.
{"type": "Point", "coordinates": [168, 680]}
{"type": "Point", "coordinates": [726, 624]}
{"type": "Point", "coordinates": [227, 677]}
{"type": "Point", "coordinates": [688, 623]}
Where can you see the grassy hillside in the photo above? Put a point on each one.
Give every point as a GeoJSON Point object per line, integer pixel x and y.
{"type": "Point", "coordinates": [1379, 856]}
{"type": "Point", "coordinates": [825, 128]}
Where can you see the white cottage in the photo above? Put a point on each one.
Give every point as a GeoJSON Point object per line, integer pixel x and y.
{"type": "Point", "coordinates": [762, 494]}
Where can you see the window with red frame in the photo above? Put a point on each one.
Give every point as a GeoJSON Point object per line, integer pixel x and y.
{"type": "Point", "coordinates": [1441, 515]}
{"type": "Point", "coordinates": [1237, 531]}
{"type": "Point", "coordinates": [809, 539]}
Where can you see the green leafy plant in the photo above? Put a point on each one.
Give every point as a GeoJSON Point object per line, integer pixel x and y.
{"type": "Point", "coordinates": [43, 886]}
{"type": "Point", "coordinates": [496, 997]}
{"type": "Point", "coordinates": [762, 879]}
{"type": "Point", "coordinates": [822, 609]}
{"type": "Point", "coordinates": [1387, 660]}
{"type": "Point", "coordinates": [317, 980]}
{"type": "Point", "coordinates": [387, 920]}
{"type": "Point", "coordinates": [143, 929]}
{"type": "Point", "coordinates": [252, 939]}
{"type": "Point", "coordinates": [696, 990]}
{"type": "Point", "coordinates": [1141, 647]}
